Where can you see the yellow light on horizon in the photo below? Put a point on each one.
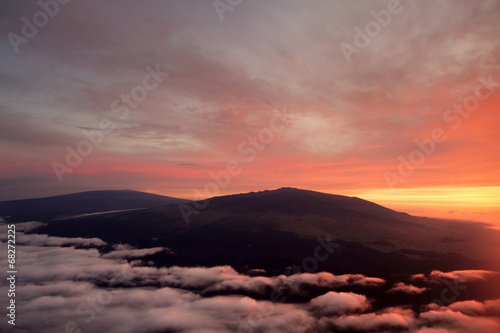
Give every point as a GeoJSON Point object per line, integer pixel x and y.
{"type": "Point", "coordinates": [486, 196]}
{"type": "Point", "coordinates": [480, 203]}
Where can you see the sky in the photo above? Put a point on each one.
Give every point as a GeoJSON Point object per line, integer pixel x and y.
{"type": "Point", "coordinates": [396, 102]}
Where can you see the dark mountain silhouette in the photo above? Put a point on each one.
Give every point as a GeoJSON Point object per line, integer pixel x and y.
{"type": "Point", "coordinates": [311, 214]}
{"type": "Point", "coordinates": [277, 229]}
{"type": "Point", "coordinates": [81, 203]}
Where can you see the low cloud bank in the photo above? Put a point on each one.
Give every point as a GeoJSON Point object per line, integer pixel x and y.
{"type": "Point", "coordinates": [69, 281]}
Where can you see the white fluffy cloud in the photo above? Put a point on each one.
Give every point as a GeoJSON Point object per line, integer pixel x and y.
{"type": "Point", "coordinates": [393, 318]}
{"type": "Point", "coordinates": [292, 283]}
{"type": "Point", "coordinates": [334, 303]}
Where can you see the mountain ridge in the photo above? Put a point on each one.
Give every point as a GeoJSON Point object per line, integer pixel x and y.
{"type": "Point", "coordinates": [235, 226]}
{"type": "Point", "coordinates": [82, 203]}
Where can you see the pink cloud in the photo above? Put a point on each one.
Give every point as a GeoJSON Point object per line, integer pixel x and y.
{"type": "Point", "coordinates": [390, 318]}
{"type": "Point", "coordinates": [475, 308]}
{"type": "Point", "coordinates": [463, 276]}
{"type": "Point", "coordinates": [407, 289]}
{"type": "Point", "coordinates": [335, 303]}
{"type": "Point", "coordinates": [460, 322]}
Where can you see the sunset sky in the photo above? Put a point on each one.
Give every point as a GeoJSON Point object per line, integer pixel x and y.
{"type": "Point", "coordinates": [288, 93]}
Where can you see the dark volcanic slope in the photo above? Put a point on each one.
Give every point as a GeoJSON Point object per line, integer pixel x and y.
{"type": "Point", "coordinates": [311, 214]}
{"type": "Point", "coordinates": [81, 203]}
{"type": "Point", "coordinates": [275, 229]}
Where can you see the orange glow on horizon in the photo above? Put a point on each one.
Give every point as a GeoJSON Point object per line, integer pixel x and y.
{"type": "Point", "coordinates": [480, 204]}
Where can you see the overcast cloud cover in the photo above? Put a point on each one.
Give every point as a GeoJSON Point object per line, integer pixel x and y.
{"type": "Point", "coordinates": [85, 289]}
{"type": "Point", "coordinates": [348, 122]}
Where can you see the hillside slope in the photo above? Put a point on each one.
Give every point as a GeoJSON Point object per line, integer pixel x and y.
{"type": "Point", "coordinates": [81, 203]}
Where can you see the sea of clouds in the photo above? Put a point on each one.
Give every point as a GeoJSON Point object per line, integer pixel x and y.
{"type": "Point", "coordinates": [72, 285]}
